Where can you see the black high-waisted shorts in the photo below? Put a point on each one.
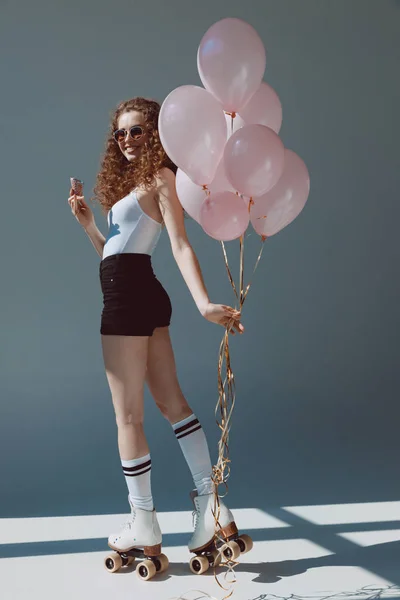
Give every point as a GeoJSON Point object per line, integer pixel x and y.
{"type": "Point", "coordinates": [134, 301]}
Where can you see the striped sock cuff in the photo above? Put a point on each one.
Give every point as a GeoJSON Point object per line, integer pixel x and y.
{"type": "Point", "coordinates": [186, 426]}
{"type": "Point", "coordinates": [136, 466]}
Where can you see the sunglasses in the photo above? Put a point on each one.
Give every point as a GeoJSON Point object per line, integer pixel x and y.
{"type": "Point", "coordinates": [136, 133]}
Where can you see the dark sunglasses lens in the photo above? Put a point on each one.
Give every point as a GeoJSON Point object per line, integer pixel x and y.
{"type": "Point", "coordinates": [136, 132]}
{"type": "Point", "coordinates": [119, 135]}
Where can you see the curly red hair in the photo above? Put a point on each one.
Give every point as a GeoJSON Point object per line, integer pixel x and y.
{"type": "Point", "coordinates": [117, 176]}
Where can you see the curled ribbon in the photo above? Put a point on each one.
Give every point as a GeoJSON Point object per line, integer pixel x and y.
{"type": "Point", "coordinates": [226, 402]}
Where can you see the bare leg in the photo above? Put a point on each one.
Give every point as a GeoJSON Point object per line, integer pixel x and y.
{"type": "Point", "coordinates": [162, 378]}
{"type": "Point", "coordinates": [164, 386]}
{"type": "Point", "coordinates": [125, 359]}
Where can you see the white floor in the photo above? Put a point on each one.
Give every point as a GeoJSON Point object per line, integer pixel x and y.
{"type": "Point", "coordinates": [275, 568]}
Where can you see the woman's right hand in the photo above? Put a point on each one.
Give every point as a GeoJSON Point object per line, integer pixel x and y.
{"type": "Point", "coordinates": [80, 209]}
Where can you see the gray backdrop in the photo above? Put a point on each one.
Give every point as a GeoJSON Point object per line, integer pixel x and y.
{"type": "Point", "coordinates": [316, 418]}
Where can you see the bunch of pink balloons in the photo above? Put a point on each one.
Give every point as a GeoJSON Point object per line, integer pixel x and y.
{"type": "Point", "coordinates": [233, 168]}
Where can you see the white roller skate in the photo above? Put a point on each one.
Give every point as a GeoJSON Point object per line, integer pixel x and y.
{"type": "Point", "coordinates": [207, 547]}
{"type": "Point", "coordinates": [140, 537]}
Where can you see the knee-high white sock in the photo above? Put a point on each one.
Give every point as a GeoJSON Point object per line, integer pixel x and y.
{"type": "Point", "coordinates": [193, 443]}
{"type": "Point", "coordinates": [137, 475]}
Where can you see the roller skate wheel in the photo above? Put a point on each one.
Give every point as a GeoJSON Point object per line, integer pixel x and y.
{"type": "Point", "coordinates": [230, 550]}
{"type": "Point", "coordinates": [146, 570]}
{"type": "Point", "coordinates": [245, 543]}
{"type": "Point", "coordinates": [164, 563]}
{"type": "Point", "coordinates": [127, 560]}
{"type": "Point", "coordinates": [113, 562]}
{"type": "Point", "coordinates": [199, 564]}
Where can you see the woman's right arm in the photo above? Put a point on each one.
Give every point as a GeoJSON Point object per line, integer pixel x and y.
{"type": "Point", "coordinates": [85, 217]}
{"type": "Point", "coordinates": [96, 237]}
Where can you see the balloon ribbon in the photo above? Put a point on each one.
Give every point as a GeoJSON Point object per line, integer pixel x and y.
{"type": "Point", "coordinates": [226, 402]}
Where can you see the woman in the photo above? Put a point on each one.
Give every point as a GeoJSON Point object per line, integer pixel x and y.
{"type": "Point", "coordinates": [136, 188]}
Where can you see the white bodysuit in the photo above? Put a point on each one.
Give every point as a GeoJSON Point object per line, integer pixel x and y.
{"type": "Point", "coordinates": [130, 229]}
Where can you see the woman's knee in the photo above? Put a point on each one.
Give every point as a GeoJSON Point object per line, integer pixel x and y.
{"type": "Point", "coordinates": [174, 411]}
{"type": "Point", "coordinates": [129, 412]}
{"type": "Point", "coordinates": [133, 419]}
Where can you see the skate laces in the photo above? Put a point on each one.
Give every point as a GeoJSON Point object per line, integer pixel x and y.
{"type": "Point", "coordinates": [195, 515]}
{"type": "Point", "coordinates": [130, 520]}
{"type": "Point", "coordinates": [194, 520]}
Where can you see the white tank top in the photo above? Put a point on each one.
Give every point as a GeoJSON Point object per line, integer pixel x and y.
{"type": "Point", "coordinates": [130, 229]}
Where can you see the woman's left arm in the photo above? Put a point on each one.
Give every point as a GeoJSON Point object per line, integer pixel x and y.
{"type": "Point", "coordinates": [185, 256]}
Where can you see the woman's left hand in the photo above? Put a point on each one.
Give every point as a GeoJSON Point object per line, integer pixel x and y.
{"type": "Point", "coordinates": [222, 315]}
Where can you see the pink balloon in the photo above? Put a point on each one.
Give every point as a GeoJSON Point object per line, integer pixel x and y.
{"type": "Point", "coordinates": [193, 131]}
{"type": "Point", "coordinates": [192, 195]}
{"type": "Point", "coordinates": [220, 183]}
{"type": "Point", "coordinates": [263, 108]}
{"type": "Point", "coordinates": [224, 216]}
{"type": "Point", "coordinates": [254, 158]}
{"type": "Point", "coordinates": [281, 205]}
{"type": "Point", "coordinates": [231, 62]}
{"type": "Point", "coordinates": [246, 201]}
